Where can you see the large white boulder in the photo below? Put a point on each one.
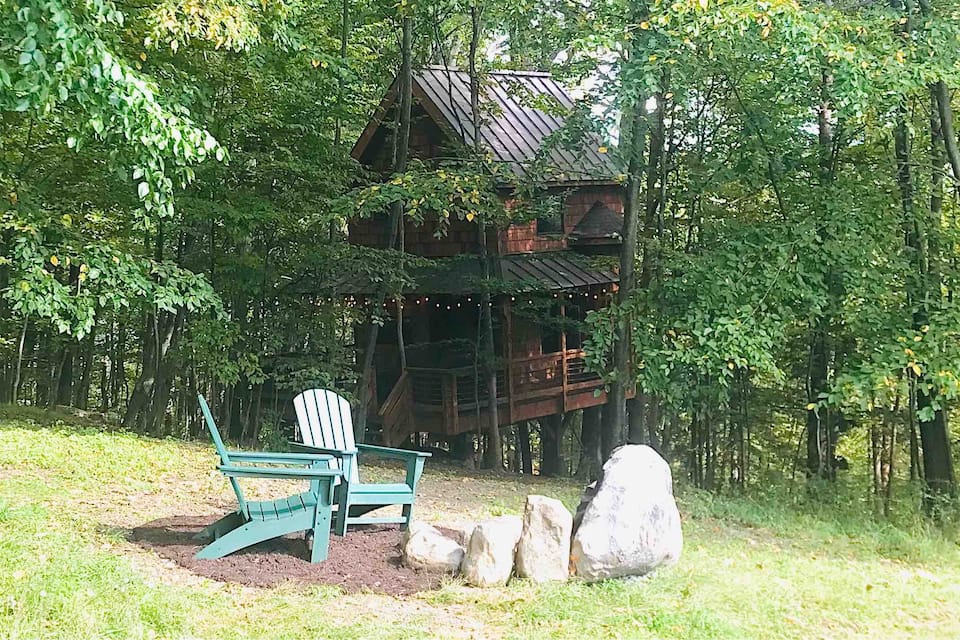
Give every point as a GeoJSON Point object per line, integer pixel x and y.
{"type": "Point", "coordinates": [630, 525]}
{"type": "Point", "coordinates": [543, 553]}
{"type": "Point", "coordinates": [489, 558]}
{"type": "Point", "coordinates": [423, 547]}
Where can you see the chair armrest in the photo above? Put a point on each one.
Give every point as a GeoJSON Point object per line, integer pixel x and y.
{"type": "Point", "coordinates": [339, 453]}
{"type": "Point", "coordinates": [235, 471]}
{"type": "Point", "coordinates": [387, 452]}
{"type": "Point", "coordinates": [261, 457]}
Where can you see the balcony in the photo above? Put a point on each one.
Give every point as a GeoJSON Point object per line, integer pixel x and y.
{"type": "Point", "coordinates": [456, 400]}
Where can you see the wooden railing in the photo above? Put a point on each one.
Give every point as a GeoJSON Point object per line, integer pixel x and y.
{"type": "Point", "coordinates": [396, 412]}
{"type": "Point", "coordinates": [456, 394]}
{"type": "Point", "coordinates": [551, 372]}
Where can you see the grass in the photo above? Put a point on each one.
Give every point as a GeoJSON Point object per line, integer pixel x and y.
{"type": "Point", "coordinates": [750, 568]}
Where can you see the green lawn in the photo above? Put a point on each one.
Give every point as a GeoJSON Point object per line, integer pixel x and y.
{"type": "Point", "coordinates": [749, 570]}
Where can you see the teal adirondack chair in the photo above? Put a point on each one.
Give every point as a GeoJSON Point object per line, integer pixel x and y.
{"type": "Point", "coordinates": [326, 426]}
{"type": "Point", "coordinates": [255, 522]}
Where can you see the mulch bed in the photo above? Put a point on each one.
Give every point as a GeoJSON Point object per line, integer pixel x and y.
{"type": "Point", "coordinates": [366, 559]}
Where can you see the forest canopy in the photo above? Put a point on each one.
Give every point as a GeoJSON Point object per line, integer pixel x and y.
{"type": "Point", "coordinates": [176, 190]}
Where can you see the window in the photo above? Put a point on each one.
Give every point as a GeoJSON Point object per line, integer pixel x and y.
{"type": "Point", "coordinates": [549, 210]}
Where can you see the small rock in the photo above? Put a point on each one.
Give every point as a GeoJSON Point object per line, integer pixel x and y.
{"type": "Point", "coordinates": [423, 547]}
{"type": "Point", "coordinates": [630, 525]}
{"type": "Point", "coordinates": [489, 558]}
{"type": "Point", "coordinates": [543, 553]}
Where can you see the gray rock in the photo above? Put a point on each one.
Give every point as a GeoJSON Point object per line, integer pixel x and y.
{"type": "Point", "coordinates": [489, 558]}
{"type": "Point", "coordinates": [543, 553]}
{"type": "Point", "coordinates": [630, 525]}
{"type": "Point", "coordinates": [423, 547]}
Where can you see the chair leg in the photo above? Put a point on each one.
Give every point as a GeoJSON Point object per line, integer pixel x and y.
{"type": "Point", "coordinates": [343, 510]}
{"type": "Point", "coordinates": [321, 535]}
{"type": "Point", "coordinates": [222, 526]}
{"type": "Point", "coordinates": [407, 516]}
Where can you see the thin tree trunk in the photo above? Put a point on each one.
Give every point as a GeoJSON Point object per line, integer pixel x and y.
{"type": "Point", "coordinates": [942, 96]}
{"type": "Point", "coordinates": [615, 413]}
{"type": "Point", "coordinates": [820, 449]}
{"type": "Point", "coordinates": [19, 368]}
{"type": "Point", "coordinates": [344, 38]}
{"type": "Point", "coordinates": [82, 399]}
{"type": "Point", "coordinates": [396, 220]}
{"type": "Point", "coordinates": [493, 455]}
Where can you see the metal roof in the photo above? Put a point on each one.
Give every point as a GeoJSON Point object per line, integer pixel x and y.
{"type": "Point", "coordinates": [514, 126]}
{"type": "Point", "coordinates": [522, 273]}
{"type": "Point", "coordinates": [552, 272]}
{"type": "Point", "coordinates": [599, 223]}
{"type": "Point", "coordinates": [518, 273]}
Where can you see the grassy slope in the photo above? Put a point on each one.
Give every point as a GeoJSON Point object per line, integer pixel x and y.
{"type": "Point", "coordinates": [68, 494]}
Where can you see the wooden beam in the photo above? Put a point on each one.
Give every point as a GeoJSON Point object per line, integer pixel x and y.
{"type": "Point", "coordinates": [508, 342]}
{"type": "Point", "coordinates": [563, 351]}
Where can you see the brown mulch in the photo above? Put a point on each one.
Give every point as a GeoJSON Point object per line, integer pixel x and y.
{"type": "Point", "coordinates": [366, 559]}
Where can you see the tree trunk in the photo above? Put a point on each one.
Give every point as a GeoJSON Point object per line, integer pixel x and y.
{"type": "Point", "coordinates": [819, 451]}
{"type": "Point", "coordinates": [637, 418]}
{"type": "Point", "coordinates": [152, 386]}
{"type": "Point", "coordinates": [523, 443]}
{"type": "Point", "coordinates": [938, 471]}
{"type": "Point", "coordinates": [82, 399]}
{"type": "Point", "coordinates": [402, 145]}
{"type": "Point", "coordinates": [344, 38]}
{"type": "Point", "coordinates": [493, 456]}
{"type": "Point", "coordinates": [551, 459]}
{"type": "Point", "coordinates": [615, 414]}
{"type": "Point", "coordinates": [18, 371]}
{"type": "Point", "coordinates": [590, 458]}
{"type": "Point", "coordinates": [820, 446]}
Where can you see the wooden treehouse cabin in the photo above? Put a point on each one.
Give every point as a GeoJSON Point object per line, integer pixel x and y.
{"type": "Point", "coordinates": [551, 261]}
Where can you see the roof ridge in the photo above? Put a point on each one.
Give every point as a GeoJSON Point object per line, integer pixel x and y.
{"type": "Point", "coordinates": [499, 72]}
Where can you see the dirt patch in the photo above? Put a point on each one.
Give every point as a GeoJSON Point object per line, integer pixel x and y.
{"type": "Point", "coordinates": [366, 559]}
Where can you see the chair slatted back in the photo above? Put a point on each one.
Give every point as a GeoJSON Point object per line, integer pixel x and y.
{"type": "Point", "coordinates": [325, 420]}
{"type": "Point", "coordinates": [221, 449]}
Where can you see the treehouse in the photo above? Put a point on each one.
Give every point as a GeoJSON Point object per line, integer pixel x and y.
{"type": "Point", "coordinates": [550, 270]}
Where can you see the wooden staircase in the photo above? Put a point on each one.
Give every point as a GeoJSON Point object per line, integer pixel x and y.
{"type": "Point", "coordinates": [396, 412]}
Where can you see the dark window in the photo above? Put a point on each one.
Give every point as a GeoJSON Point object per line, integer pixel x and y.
{"type": "Point", "coordinates": [549, 210]}
{"type": "Point", "coordinates": [551, 331]}
{"type": "Point", "coordinates": [574, 325]}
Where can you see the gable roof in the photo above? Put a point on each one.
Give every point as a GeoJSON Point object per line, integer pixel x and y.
{"type": "Point", "coordinates": [513, 129]}
{"type": "Point", "coordinates": [599, 223]}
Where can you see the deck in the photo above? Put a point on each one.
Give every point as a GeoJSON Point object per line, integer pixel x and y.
{"type": "Point", "coordinates": [454, 401]}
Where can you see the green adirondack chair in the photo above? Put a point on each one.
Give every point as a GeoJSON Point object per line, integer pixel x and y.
{"type": "Point", "coordinates": [255, 522]}
{"type": "Point", "coordinates": [326, 426]}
